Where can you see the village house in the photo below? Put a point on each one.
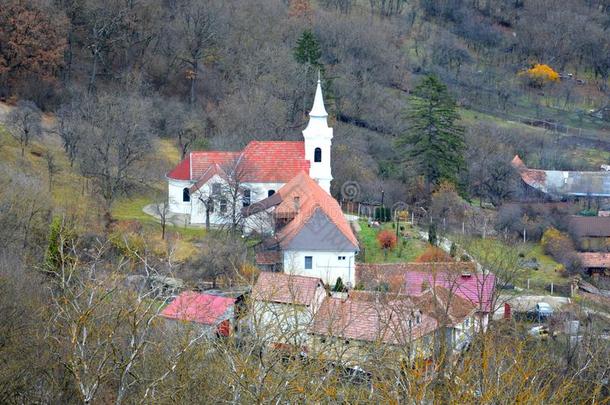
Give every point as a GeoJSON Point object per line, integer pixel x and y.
{"type": "Point", "coordinates": [211, 187]}
{"type": "Point", "coordinates": [414, 279]}
{"type": "Point", "coordinates": [311, 235]}
{"type": "Point", "coordinates": [590, 233]}
{"type": "Point", "coordinates": [558, 185]}
{"type": "Point", "coordinates": [212, 315]}
{"type": "Point", "coordinates": [595, 263]}
{"type": "Point", "coordinates": [369, 325]}
{"type": "Point", "coordinates": [283, 307]}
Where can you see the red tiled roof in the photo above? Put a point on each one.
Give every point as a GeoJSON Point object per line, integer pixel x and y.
{"type": "Point", "coordinates": [260, 162]}
{"type": "Point", "coordinates": [182, 171]}
{"type": "Point", "coordinates": [595, 260]}
{"type": "Point", "coordinates": [582, 226]}
{"type": "Point", "coordinates": [384, 319]}
{"type": "Point", "coordinates": [197, 307]}
{"type": "Point", "coordinates": [415, 278]}
{"type": "Point", "coordinates": [286, 288]}
{"type": "Point", "coordinates": [446, 306]}
{"type": "Point", "coordinates": [274, 161]}
{"type": "Point", "coordinates": [267, 258]}
{"type": "Point", "coordinates": [311, 197]}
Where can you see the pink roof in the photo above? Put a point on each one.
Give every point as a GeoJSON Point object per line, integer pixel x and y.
{"type": "Point", "coordinates": [476, 288]}
{"type": "Point", "coordinates": [197, 307]}
{"type": "Point", "coordinates": [260, 162]}
{"type": "Point", "coordinates": [415, 278]}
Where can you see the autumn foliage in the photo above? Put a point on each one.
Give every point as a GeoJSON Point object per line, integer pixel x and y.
{"type": "Point", "coordinates": [434, 254]}
{"type": "Point", "coordinates": [32, 44]}
{"type": "Point", "coordinates": [540, 74]}
{"type": "Point", "coordinates": [386, 239]}
{"type": "Point", "coordinates": [561, 247]}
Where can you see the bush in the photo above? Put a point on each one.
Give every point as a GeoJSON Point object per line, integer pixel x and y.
{"type": "Point", "coordinates": [434, 254]}
{"type": "Point", "coordinates": [339, 287]}
{"type": "Point", "coordinates": [432, 238]}
{"type": "Point", "coordinates": [561, 247]}
{"type": "Point", "coordinates": [386, 239]}
{"type": "Point", "coordinates": [383, 214]}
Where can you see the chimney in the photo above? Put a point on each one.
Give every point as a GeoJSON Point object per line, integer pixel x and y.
{"type": "Point", "coordinates": [297, 203]}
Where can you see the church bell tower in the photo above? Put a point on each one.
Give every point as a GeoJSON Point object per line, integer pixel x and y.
{"type": "Point", "coordinates": [318, 139]}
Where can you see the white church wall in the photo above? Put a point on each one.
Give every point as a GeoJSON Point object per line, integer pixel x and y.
{"type": "Point", "coordinates": [326, 265]}
{"type": "Point", "coordinates": [175, 189]}
{"type": "Point", "coordinates": [258, 192]}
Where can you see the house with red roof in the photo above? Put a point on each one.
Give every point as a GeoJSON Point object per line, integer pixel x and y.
{"type": "Point", "coordinates": [213, 314]}
{"type": "Point", "coordinates": [311, 236]}
{"type": "Point", "coordinates": [283, 306]}
{"type": "Point", "coordinates": [212, 186]}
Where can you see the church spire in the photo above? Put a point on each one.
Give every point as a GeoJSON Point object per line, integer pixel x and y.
{"type": "Point", "coordinates": [318, 109]}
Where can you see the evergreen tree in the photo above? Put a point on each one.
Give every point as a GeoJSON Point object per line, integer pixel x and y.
{"type": "Point", "coordinates": [308, 50]}
{"type": "Point", "coordinates": [434, 142]}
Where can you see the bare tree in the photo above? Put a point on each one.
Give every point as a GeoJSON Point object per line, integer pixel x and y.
{"type": "Point", "coordinates": [117, 139]}
{"type": "Point", "coordinates": [197, 33]}
{"type": "Point", "coordinates": [24, 122]}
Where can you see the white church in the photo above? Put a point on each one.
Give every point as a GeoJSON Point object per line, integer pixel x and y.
{"type": "Point", "coordinates": [208, 185]}
{"type": "Point", "coordinates": [279, 189]}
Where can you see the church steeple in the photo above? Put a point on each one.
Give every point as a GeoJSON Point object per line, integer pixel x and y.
{"type": "Point", "coordinates": [318, 138]}
{"type": "Point", "coordinates": [318, 109]}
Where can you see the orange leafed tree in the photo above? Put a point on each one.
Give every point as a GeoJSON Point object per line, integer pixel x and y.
{"type": "Point", "coordinates": [32, 42]}
{"type": "Point", "coordinates": [386, 239]}
{"type": "Point", "coordinates": [540, 74]}
{"type": "Point", "coordinates": [434, 254]}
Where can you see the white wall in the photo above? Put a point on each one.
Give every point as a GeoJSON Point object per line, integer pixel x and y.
{"type": "Point", "coordinates": [325, 265]}
{"type": "Point", "coordinates": [284, 323]}
{"type": "Point", "coordinates": [258, 192]}
{"type": "Point", "coordinates": [174, 192]}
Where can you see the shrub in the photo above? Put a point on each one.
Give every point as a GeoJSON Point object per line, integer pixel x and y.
{"type": "Point", "coordinates": [339, 287]}
{"type": "Point", "coordinates": [383, 214]}
{"type": "Point", "coordinates": [432, 238]}
{"type": "Point", "coordinates": [434, 254]}
{"type": "Point", "coordinates": [561, 247]}
{"type": "Point", "coordinates": [539, 75]}
{"type": "Point", "coordinates": [386, 239]}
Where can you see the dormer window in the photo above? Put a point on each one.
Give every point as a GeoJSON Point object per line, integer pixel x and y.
{"type": "Point", "coordinates": [186, 195]}
{"type": "Point", "coordinates": [317, 155]}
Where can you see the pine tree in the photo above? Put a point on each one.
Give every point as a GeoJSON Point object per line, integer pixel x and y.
{"type": "Point", "coordinates": [308, 50]}
{"type": "Point", "coordinates": [434, 142]}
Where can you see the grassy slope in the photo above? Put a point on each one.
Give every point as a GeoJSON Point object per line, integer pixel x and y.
{"type": "Point", "coordinates": [412, 247]}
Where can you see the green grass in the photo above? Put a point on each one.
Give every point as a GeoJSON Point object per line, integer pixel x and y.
{"type": "Point", "coordinates": [503, 258]}
{"type": "Point", "coordinates": [130, 209]}
{"type": "Point", "coordinates": [406, 250]}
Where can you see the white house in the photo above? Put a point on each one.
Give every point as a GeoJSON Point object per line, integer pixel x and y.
{"type": "Point", "coordinates": [311, 235]}
{"type": "Point", "coordinates": [214, 185]}
{"type": "Point", "coordinates": [283, 307]}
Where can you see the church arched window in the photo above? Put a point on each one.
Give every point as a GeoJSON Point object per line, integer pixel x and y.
{"type": "Point", "coordinates": [317, 155]}
{"type": "Point", "coordinates": [186, 194]}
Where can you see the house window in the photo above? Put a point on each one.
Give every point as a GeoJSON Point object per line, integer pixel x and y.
{"type": "Point", "coordinates": [210, 205]}
{"type": "Point", "coordinates": [308, 262]}
{"type": "Point", "coordinates": [186, 195]}
{"type": "Point", "coordinates": [467, 322]}
{"type": "Point", "coordinates": [216, 189]}
{"type": "Point", "coordinates": [341, 258]}
{"type": "Point", "coordinates": [270, 193]}
{"type": "Point", "coordinates": [246, 198]}
{"type": "Point", "coordinates": [223, 205]}
{"type": "Point", "coordinates": [317, 155]}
